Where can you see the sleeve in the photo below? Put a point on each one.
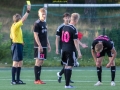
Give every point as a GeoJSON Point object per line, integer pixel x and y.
{"type": "Point", "coordinates": [80, 35]}
{"type": "Point", "coordinates": [110, 45]}
{"type": "Point", "coordinates": [93, 45]}
{"type": "Point", "coordinates": [18, 24]}
{"type": "Point", "coordinates": [59, 29]}
{"type": "Point", "coordinates": [36, 28]}
{"type": "Point", "coordinates": [75, 34]}
{"type": "Point", "coordinates": [58, 32]}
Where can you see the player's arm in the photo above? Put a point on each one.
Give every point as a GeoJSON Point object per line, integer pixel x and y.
{"type": "Point", "coordinates": [77, 47]}
{"type": "Point", "coordinates": [48, 44]}
{"type": "Point", "coordinates": [114, 54]}
{"type": "Point", "coordinates": [82, 44]}
{"type": "Point", "coordinates": [38, 41]}
{"type": "Point", "coordinates": [57, 44]}
{"type": "Point", "coordinates": [58, 34]}
{"type": "Point", "coordinates": [93, 55]}
{"type": "Point", "coordinates": [27, 13]}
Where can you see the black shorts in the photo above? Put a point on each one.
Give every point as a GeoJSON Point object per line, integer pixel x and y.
{"type": "Point", "coordinates": [38, 55]}
{"type": "Point", "coordinates": [104, 52]}
{"type": "Point", "coordinates": [69, 58]}
{"type": "Point", "coordinates": [109, 53]}
{"type": "Point", "coordinates": [17, 52]}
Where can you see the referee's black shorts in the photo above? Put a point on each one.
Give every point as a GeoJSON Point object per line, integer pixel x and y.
{"type": "Point", "coordinates": [17, 51]}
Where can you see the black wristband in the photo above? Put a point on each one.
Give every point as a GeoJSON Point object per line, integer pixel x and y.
{"type": "Point", "coordinates": [28, 11]}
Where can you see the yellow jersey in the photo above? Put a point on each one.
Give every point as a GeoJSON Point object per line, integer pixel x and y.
{"type": "Point", "coordinates": [16, 32]}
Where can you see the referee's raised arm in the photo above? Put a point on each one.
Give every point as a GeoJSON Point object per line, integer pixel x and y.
{"type": "Point", "coordinates": [27, 13]}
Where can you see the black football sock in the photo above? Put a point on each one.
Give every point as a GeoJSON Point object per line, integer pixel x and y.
{"type": "Point", "coordinates": [113, 70]}
{"type": "Point", "coordinates": [13, 73]}
{"type": "Point", "coordinates": [68, 76]}
{"type": "Point", "coordinates": [39, 72]}
{"type": "Point", "coordinates": [99, 73]}
{"type": "Point", "coordinates": [18, 73]}
{"type": "Point", "coordinates": [36, 73]}
{"type": "Point", "coordinates": [61, 72]}
{"type": "Point", "coordinates": [65, 74]}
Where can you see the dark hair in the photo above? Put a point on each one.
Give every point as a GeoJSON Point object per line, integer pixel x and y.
{"type": "Point", "coordinates": [66, 15]}
{"type": "Point", "coordinates": [16, 17]}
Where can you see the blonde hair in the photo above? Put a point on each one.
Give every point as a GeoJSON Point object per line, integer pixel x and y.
{"type": "Point", "coordinates": [75, 16]}
{"type": "Point", "coordinates": [98, 47]}
{"type": "Point", "coordinates": [42, 10]}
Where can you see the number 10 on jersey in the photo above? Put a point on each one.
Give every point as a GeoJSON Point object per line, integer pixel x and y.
{"type": "Point", "coordinates": [65, 36]}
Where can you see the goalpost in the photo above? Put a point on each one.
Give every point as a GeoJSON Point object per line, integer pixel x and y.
{"type": "Point", "coordinates": [81, 5]}
{"type": "Point", "coordinates": [95, 19]}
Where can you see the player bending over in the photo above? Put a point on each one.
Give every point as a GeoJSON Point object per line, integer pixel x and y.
{"type": "Point", "coordinates": [104, 45]}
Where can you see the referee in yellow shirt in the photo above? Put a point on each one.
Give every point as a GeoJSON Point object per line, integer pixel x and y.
{"type": "Point", "coordinates": [17, 46]}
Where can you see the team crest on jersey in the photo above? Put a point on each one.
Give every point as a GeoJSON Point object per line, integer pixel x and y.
{"type": "Point", "coordinates": [44, 30]}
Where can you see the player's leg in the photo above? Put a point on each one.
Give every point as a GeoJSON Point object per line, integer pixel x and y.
{"type": "Point", "coordinates": [59, 74]}
{"type": "Point", "coordinates": [19, 70]}
{"type": "Point", "coordinates": [68, 68]}
{"type": "Point", "coordinates": [99, 70]}
{"type": "Point", "coordinates": [113, 72]}
{"type": "Point", "coordinates": [17, 50]}
{"type": "Point", "coordinates": [20, 63]}
{"type": "Point", "coordinates": [64, 61]}
{"type": "Point", "coordinates": [62, 71]}
{"type": "Point", "coordinates": [68, 73]}
{"type": "Point", "coordinates": [99, 67]}
{"type": "Point", "coordinates": [14, 69]}
{"type": "Point", "coordinates": [113, 68]}
{"type": "Point", "coordinates": [14, 65]}
{"type": "Point", "coordinates": [38, 65]}
{"type": "Point", "coordinates": [18, 73]}
{"type": "Point", "coordinates": [36, 69]}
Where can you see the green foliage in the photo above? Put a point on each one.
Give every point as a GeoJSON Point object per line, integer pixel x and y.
{"type": "Point", "coordinates": [4, 48]}
{"type": "Point", "coordinates": [114, 34]}
{"type": "Point", "coordinates": [28, 44]}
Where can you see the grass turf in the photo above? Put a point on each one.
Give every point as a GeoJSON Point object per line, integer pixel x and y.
{"type": "Point", "coordinates": [84, 78]}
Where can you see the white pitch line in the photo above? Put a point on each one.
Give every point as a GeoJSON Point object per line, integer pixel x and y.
{"type": "Point", "coordinates": [56, 76]}
{"type": "Point", "coordinates": [75, 70]}
{"type": "Point", "coordinates": [29, 80]}
{"type": "Point", "coordinates": [56, 70]}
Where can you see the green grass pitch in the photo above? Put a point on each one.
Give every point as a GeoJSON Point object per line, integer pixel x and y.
{"type": "Point", "coordinates": [84, 79]}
